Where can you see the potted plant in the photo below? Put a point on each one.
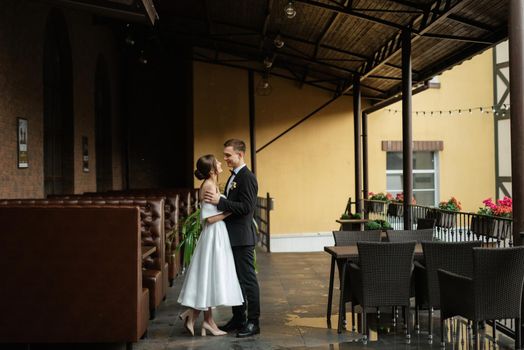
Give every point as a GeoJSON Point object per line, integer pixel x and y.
{"type": "Point", "coordinates": [190, 232]}
{"type": "Point", "coordinates": [377, 201]}
{"type": "Point", "coordinates": [493, 218]}
{"type": "Point", "coordinates": [347, 225]}
{"type": "Point", "coordinates": [395, 208]}
{"type": "Point", "coordinates": [377, 225]}
{"type": "Point", "coordinates": [447, 216]}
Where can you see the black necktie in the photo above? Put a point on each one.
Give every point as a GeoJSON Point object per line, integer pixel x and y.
{"type": "Point", "coordinates": [232, 172]}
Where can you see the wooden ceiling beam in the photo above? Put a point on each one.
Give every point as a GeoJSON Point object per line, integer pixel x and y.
{"type": "Point", "coordinates": [281, 53]}
{"type": "Point", "coordinates": [456, 38]}
{"type": "Point", "coordinates": [408, 3]}
{"type": "Point", "coordinates": [435, 14]}
{"type": "Point", "coordinates": [471, 22]}
{"type": "Point", "coordinates": [352, 13]}
{"type": "Point", "coordinates": [258, 57]}
{"type": "Point", "coordinates": [283, 35]}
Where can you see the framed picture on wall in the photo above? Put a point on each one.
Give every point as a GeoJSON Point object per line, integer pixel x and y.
{"type": "Point", "coordinates": [23, 161]}
{"type": "Point", "coordinates": [85, 155]}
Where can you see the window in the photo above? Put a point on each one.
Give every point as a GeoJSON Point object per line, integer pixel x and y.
{"type": "Point", "coordinates": [425, 180]}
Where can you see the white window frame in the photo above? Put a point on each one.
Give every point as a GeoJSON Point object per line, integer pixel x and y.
{"type": "Point", "coordinates": [435, 171]}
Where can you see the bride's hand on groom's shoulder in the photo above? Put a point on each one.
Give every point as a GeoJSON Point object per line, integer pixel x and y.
{"type": "Point", "coordinates": [212, 197]}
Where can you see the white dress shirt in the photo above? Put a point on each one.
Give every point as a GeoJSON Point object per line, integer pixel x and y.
{"type": "Point", "coordinates": [230, 183]}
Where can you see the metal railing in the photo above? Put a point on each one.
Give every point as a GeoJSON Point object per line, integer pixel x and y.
{"type": "Point", "coordinates": [449, 226]}
{"type": "Point", "coordinates": [262, 219]}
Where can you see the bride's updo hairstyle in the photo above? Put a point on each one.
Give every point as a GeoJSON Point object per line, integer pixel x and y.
{"type": "Point", "coordinates": [204, 166]}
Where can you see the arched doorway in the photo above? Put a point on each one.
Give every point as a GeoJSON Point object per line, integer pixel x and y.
{"type": "Point", "coordinates": [58, 108]}
{"type": "Point", "coordinates": [103, 129]}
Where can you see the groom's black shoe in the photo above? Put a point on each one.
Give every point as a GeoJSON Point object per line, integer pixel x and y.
{"type": "Point", "coordinates": [249, 329]}
{"type": "Point", "coordinates": [232, 326]}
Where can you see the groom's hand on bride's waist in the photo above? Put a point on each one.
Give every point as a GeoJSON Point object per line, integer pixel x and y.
{"type": "Point", "coordinates": [211, 197]}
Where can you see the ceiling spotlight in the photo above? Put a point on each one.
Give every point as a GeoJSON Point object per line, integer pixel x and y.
{"type": "Point", "coordinates": [268, 62]}
{"type": "Point", "coordinates": [290, 10]}
{"type": "Point", "coordinates": [278, 42]}
{"type": "Point", "coordinates": [142, 59]}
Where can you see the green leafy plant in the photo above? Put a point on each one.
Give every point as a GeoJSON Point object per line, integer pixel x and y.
{"type": "Point", "coordinates": [190, 232]}
{"type": "Point", "coordinates": [380, 196]}
{"type": "Point", "coordinates": [350, 216]}
{"type": "Point", "coordinates": [372, 225]}
{"type": "Point", "coordinates": [377, 225]}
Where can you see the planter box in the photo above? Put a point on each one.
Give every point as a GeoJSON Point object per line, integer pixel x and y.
{"type": "Point", "coordinates": [446, 220]}
{"type": "Point", "coordinates": [482, 225]}
{"type": "Point", "coordinates": [374, 207]}
{"type": "Point", "coordinates": [395, 209]}
{"type": "Point", "coordinates": [493, 227]}
{"type": "Point", "coordinates": [502, 228]}
{"type": "Point", "coordinates": [352, 224]}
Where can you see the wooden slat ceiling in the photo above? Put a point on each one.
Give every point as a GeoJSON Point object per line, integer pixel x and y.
{"type": "Point", "coordinates": [330, 41]}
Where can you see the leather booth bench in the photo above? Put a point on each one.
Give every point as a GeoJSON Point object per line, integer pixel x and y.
{"type": "Point", "coordinates": [179, 203]}
{"type": "Point", "coordinates": [73, 274]}
{"type": "Point", "coordinates": [154, 275]}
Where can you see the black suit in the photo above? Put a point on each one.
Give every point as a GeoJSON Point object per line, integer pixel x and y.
{"type": "Point", "coordinates": [241, 202]}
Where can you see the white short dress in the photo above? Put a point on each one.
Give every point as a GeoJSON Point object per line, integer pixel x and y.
{"type": "Point", "coordinates": [211, 278]}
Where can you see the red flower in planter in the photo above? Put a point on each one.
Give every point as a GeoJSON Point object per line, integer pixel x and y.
{"type": "Point", "coordinates": [503, 207]}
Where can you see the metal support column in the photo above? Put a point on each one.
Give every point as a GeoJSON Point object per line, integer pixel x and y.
{"type": "Point", "coordinates": [356, 130]}
{"type": "Point", "coordinates": [252, 126]}
{"type": "Point", "coordinates": [516, 81]}
{"type": "Point", "coordinates": [365, 183]}
{"type": "Point", "coordinates": [407, 132]}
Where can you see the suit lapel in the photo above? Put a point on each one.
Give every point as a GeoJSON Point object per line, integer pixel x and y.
{"type": "Point", "coordinates": [238, 177]}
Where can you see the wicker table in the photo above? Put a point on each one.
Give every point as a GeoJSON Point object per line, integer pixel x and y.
{"type": "Point", "coordinates": [345, 254]}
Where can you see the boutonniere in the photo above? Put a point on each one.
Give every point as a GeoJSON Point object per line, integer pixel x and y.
{"type": "Point", "coordinates": [233, 185]}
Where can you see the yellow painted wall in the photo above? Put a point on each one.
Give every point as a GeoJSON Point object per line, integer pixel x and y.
{"type": "Point", "coordinates": [467, 164]}
{"type": "Point", "coordinates": [310, 171]}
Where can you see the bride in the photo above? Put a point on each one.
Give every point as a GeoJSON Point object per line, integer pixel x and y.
{"type": "Point", "coordinates": [211, 279]}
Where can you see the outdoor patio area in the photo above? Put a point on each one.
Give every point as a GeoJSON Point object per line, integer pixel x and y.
{"type": "Point", "coordinates": [294, 289]}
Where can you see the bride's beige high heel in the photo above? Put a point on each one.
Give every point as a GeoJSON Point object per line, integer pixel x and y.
{"type": "Point", "coordinates": [187, 317]}
{"type": "Point", "coordinates": [207, 326]}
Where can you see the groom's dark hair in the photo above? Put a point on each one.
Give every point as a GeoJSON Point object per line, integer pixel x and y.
{"type": "Point", "coordinates": [238, 145]}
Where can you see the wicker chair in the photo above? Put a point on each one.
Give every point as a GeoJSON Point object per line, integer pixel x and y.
{"type": "Point", "coordinates": [383, 277]}
{"type": "Point", "coordinates": [455, 257]}
{"type": "Point", "coordinates": [345, 238]}
{"type": "Point", "coordinates": [423, 223]}
{"type": "Point", "coordinates": [494, 292]}
{"type": "Point", "coordinates": [410, 235]}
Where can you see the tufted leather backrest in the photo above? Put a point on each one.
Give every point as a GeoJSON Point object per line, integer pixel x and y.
{"type": "Point", "coordinates": [151, 218]}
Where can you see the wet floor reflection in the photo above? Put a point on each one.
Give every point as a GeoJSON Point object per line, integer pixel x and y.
{"type": "Point", "coordinates": [293, 316]}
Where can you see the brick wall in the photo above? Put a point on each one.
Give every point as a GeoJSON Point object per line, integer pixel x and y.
{"type": "Point", "coordinates": [22, 29]}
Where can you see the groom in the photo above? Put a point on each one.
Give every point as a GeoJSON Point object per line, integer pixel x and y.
{"type": "Point", "coordinates": [241, 192]}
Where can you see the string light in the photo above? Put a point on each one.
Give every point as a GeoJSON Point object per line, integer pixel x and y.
{"type": "Point", "coordinates": [495, 110]}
